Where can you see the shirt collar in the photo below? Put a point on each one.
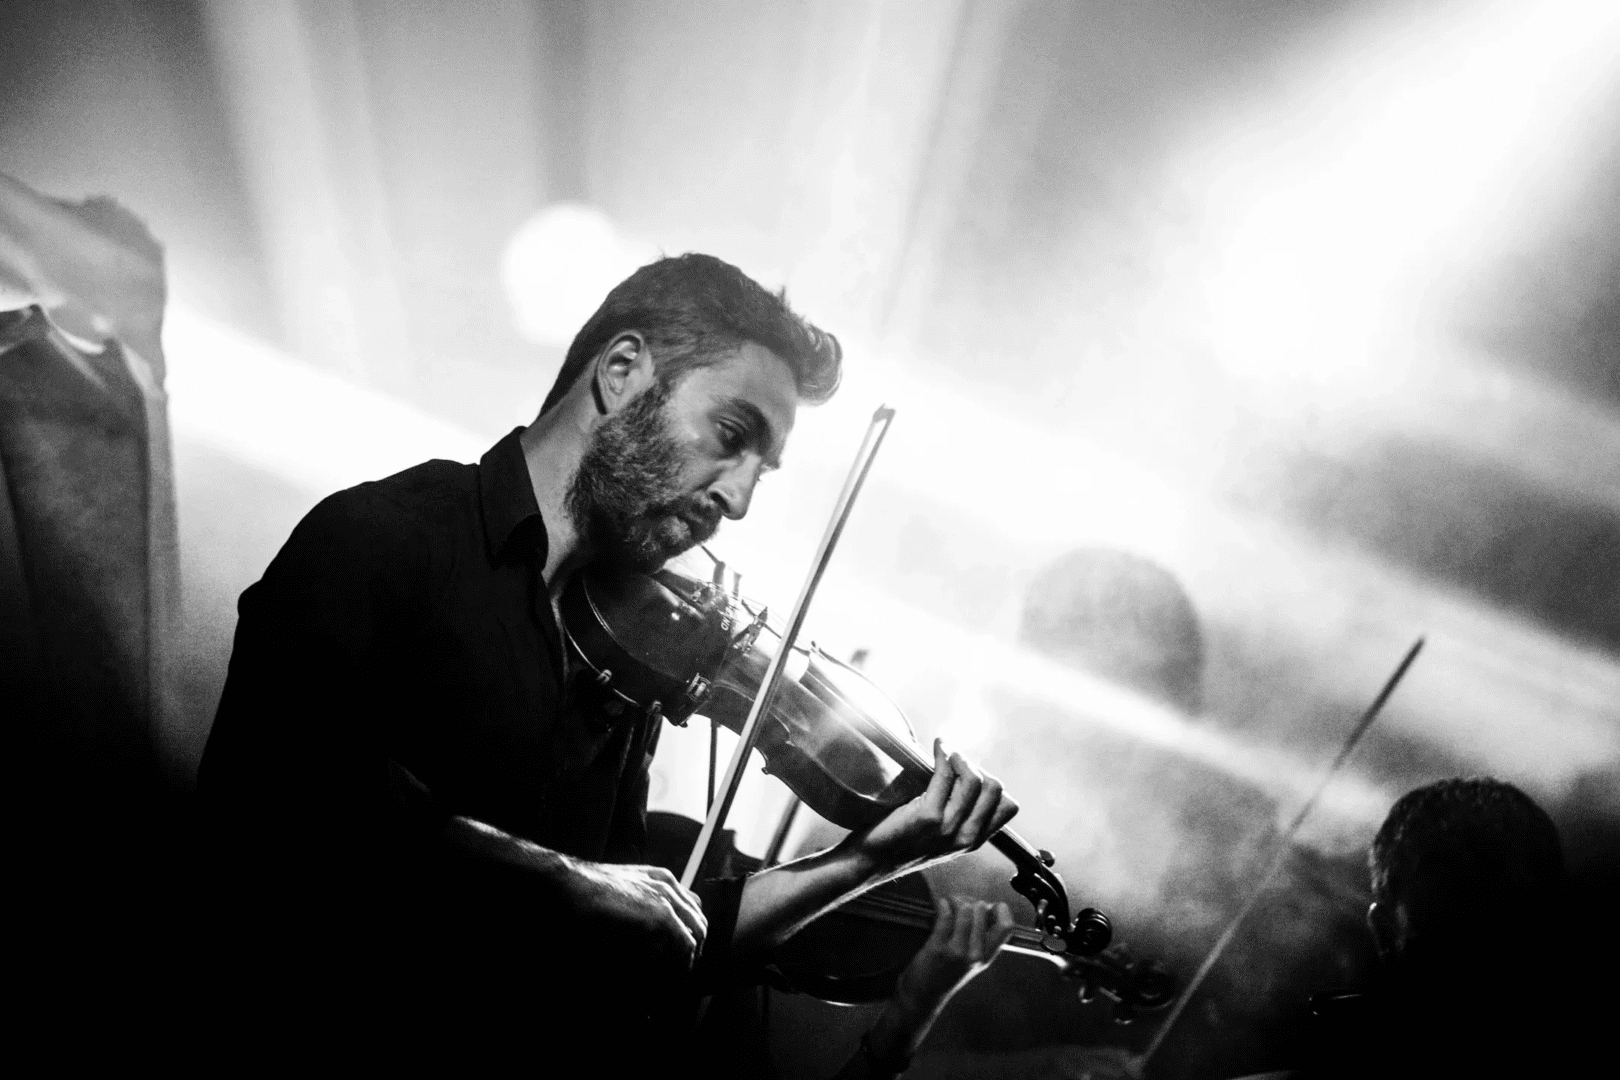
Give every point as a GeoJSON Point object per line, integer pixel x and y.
{"type": "Point", "coordinates": [512, 518]}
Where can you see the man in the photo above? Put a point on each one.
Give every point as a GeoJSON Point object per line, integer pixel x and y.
{"type": "Point", "coordinates": [1466, 873]}
{"type": "Point", "coordinates": [408, 786]}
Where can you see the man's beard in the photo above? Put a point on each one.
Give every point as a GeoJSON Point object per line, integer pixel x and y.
{"type": "Point", "coordinates": [625, 498]}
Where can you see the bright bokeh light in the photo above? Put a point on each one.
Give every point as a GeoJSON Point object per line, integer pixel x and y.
{"type": "Point", "coordinates": [1341, 219]}
{"type": "Point", "coordinates": [559, 265]}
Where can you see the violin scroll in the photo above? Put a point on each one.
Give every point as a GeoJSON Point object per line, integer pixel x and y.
{"type": "Point", "coordinates": [1132, 985]}
{"type": "Point", "coordinates": [1036, 881]}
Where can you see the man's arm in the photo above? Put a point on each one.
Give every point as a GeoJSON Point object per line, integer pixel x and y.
{"type": "Point", "coordinates": [296, 774]}
{"type": "Point", "coordinates": [961, 809]}
{"type": "Point", "coordinates": [638, 897]}
{"type": "Point", "coordinates": [645, 897]}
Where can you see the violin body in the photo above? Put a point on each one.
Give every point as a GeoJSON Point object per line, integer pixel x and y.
{"type": "Point", "coordinates": [652, 641]}
{"type": "Point", "coordinates": [674, 645]}
{"type": "Point", "coordinates": [671, 645]}
{"type": "Point", "coordinates": [825, 747]}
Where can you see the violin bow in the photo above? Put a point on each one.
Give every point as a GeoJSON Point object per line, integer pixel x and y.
{"type": "Point", "coordinates": [1284, 845]}
{"type": "Point", "coordinates": [721, 805]}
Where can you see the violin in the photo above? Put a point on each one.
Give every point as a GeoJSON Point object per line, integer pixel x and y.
{"type": "Point", "coordinates": [667, 644]}
{"type": "Point", "coordinates": [832, 958]}
{"type": "Point", "coordinates": [855, 953]}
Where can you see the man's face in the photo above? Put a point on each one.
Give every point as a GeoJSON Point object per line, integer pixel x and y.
{"type": "Point", "coordinates": [663, 470]}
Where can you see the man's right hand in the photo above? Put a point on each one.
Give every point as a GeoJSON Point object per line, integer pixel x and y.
{"type": "Point", "coordinates": [646, 897]}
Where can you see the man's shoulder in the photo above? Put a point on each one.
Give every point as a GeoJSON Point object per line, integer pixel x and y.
{"type": "Point", "coordinates": [418, 493]}
{"type": "Point", "coordinates": [434, 500]}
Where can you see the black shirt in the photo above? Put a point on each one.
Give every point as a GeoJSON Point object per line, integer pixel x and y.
{"type": "Point", "coordinates": [400, 662]}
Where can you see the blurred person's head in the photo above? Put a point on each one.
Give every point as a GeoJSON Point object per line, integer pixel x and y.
{"type": "Point", "coordinates": [682, 387]}
{"type": "Point", "coordinates": [1459, 867]}
{"type": "Point", "coordinates": [1121, 617]}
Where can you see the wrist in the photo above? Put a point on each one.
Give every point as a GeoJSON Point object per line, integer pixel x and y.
{"type": "Point", "coordinates": [912, 1010]}
{"type": "Point", "coordinates": [869, 862]}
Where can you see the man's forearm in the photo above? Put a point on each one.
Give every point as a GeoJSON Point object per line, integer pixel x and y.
{"type": "Point", "coordinates": [961, 809]}
{"type": "Point", "coordinates": [644, 898]}
{"type": "Point", "coordinates": [776, 902]}
{"type": "Point", "coordinates": [489, 844]}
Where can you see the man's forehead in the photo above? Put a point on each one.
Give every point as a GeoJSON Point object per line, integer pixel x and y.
{"type": "Point", "coordinates": [753, 375]}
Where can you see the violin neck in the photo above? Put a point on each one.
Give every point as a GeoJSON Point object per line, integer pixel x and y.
{"type": "Point", "coordinates": [1017, 849]}
{"type": "Point", "coordinates": [1030, 864]}
{"type": "Point", "coordinates": [1027, 942]}
{"type": "Point", "coordinates": [1038, 883]}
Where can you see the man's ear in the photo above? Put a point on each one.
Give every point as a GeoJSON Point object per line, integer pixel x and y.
{"type": "Point", "coordinates": [1385, 933]}
{"type": "Point", "coordinates": [624, 368]}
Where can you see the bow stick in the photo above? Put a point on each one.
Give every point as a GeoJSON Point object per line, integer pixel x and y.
{"type": "Point", "coordinates": [1283, 847]}
{"type": "Point", "coordinates": [721, 806]}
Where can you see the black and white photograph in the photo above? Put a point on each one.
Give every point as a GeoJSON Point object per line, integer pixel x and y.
{"type": "Point", "coordinates": [811, 539]}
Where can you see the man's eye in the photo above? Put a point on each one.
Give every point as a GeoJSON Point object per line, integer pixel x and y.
{"type": "Point", "coordinates": [732, 437]}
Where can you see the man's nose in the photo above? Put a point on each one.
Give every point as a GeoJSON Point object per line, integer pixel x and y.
{"type": "Point", "coordinates": [734, 489]}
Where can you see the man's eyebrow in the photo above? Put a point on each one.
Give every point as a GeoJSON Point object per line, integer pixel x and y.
{"type": "Point", "coordinates": [764, 432]}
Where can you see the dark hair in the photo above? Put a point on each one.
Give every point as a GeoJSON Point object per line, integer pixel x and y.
{"type": "Point", "coordinates": [693, 310]}
{"type": "Point", "coordinates": [1464, 844]}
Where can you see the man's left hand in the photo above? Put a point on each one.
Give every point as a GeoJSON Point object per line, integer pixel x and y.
{"type": "Point", "coordinates": [962, 808]}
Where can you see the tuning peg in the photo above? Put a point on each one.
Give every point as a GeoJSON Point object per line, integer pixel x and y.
{"type": "Point", "coordinates": [1087, 992]}
{"type": "Point", "coordinates": [1047, 857]}
{"type": "Point", "coordinates": [1092, 932]}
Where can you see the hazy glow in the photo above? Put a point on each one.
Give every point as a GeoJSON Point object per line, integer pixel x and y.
{"type": "Point", "coordinates": [1314, 234]}
{"type": "Point", "coordinates": [1341, 219]}
{"type": "Point", "coordinates": [309, 427]}
{"type": "Point", "coordinates": [560, 264]}
{"type": "Point", "coordinates": [1540, 719]}
{"type": "Point", "coordinates": [979, 660]}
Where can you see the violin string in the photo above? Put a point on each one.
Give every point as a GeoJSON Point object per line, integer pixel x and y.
{"type": "Point", "coordinates": [771, 680]}
{"type": "Point", "coordinates": [900, 902]}
{"type": "Point", "coordinates": [920, 914]}
{"type": "Point", "coordinates": [900, 905]}
{"type": "Point", "coordinates": [880, 903]}
{"type": "Point", "coordinates": [887, 914]}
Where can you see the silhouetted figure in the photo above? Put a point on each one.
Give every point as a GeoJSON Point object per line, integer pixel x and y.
{"type": "Point", "coordinates": [1467, 878]}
